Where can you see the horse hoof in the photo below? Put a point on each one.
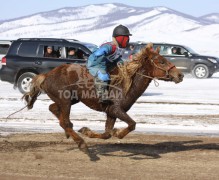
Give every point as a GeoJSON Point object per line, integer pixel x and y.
{"type": "Point", "coordinates": [106, 136]}
{"type": "Point", "coordinates": [83, 147]}
{"type": "Point", "coordinates": [117, 133]}
{"type": "Point", "coordinates": [114, 132]}
{"type": "Point", "coordinates": [84, 130]}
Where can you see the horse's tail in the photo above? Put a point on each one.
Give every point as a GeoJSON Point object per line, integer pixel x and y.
{"type": "Point", "coordinates": [35, 90]}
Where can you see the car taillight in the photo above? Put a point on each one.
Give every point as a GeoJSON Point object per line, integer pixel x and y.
{"type": "Point", "coordinates": [4, 61]}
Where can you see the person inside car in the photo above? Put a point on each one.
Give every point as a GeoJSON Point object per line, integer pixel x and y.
{"type": "Point", "coordinates": [49, 52]}
{"type": "Point", "coordinates": [174, 50]}
{"type": "Point", "coordinates": [72, 54]}
{"type": "Point", "coordinates": [178, 51]}
{"type": "Point", "coordinates": [106, 57]}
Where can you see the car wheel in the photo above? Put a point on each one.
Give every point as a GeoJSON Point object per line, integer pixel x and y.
{"type": "Point", "coordinates": [210, 74]}
{"type": "Point", "coordinates": [200, 71]}
{"type": "Point", "coordinates": [24, 82]}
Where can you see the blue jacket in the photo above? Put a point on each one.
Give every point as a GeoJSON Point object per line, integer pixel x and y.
{"type": "Point", "coordinates": [104, 58]}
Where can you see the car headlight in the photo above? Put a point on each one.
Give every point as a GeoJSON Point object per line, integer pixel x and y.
{"type": "Point", "coordinates": [212, 60]}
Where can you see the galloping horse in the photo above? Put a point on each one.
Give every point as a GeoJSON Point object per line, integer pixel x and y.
{"type": "Point", "coordinates": [67, 85]}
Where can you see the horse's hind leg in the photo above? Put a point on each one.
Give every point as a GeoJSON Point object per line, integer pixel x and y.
{"type": "Point", "coordinates": [108, 129]}
{"type": "Point", "coordinates": [67, 126]}
{"type": "Point", "coordinates": [63, 115]}
{"type": "Point", "coordinates": [54, 108]}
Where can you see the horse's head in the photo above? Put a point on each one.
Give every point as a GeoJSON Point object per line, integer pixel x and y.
{"type": "Point", "coordinates": [161, 68]}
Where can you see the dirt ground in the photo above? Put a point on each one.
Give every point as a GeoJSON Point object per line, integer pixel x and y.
{"type": "Point", "coordinates": [137, 156]}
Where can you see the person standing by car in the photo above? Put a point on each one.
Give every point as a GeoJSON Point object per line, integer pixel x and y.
{"type": "Point", "coordinates": [49, 52]}
{"type": "Point", "coordinates": [106, 57]}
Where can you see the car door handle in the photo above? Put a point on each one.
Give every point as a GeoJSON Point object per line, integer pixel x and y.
{"type": "Point", "coordinates": [68, 63]}
{"type": "Point", "coordinates": [38, 62]}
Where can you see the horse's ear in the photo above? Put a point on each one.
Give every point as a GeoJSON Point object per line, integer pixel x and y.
{"type": "Point", "coordinates": [149, 48]}
{"type": "Point", "coordinates": [157, 50]}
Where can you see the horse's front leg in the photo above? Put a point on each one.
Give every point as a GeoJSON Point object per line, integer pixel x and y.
{"type": "Point", "coordinates": [122, 115]}
{"type": "Point", "coordinates": [108, 129]}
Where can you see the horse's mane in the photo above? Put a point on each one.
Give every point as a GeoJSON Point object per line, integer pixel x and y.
{"type": "Point", "coordinates": [127, 71]}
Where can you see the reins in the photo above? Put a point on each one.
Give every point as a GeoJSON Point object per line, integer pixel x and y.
{"type": "Point", "coordinates": [16, 112]}
{"type": "Point", "coordinates": [156, 83]}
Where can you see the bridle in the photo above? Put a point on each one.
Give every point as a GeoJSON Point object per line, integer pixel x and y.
{"type": "Point", "coordinates": [167, 75]}
{"type": "Point", "coordinates": [165, 70]}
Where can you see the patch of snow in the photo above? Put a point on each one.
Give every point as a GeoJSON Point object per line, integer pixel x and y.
{"type": "Point", "coordinates": [189, 107]}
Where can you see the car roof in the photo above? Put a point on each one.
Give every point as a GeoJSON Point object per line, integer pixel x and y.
{"type": "Point", "coordinates": [144, 43]}
{"type": "Point", "coordinates": [87, 43]}
{"type": "Point", "coordinates": [44, 39]}
{"type": "Point", "coordinates": [55, 40]}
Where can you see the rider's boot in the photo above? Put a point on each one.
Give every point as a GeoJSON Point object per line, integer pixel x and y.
{"type": "Point", "coordinates": [102, 91]}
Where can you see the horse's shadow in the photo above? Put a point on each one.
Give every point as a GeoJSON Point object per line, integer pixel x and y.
{"type": "Point", "coordinates": [214, 78]}
{"type": "Point", "coordinates": [138, 151]}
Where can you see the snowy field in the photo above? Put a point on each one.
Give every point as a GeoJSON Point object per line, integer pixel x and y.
{"type": "Point", "coordinates": [191, 107]}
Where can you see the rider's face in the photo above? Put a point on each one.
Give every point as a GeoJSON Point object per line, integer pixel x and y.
{"type": "Point", "coordinates": [122, 41]}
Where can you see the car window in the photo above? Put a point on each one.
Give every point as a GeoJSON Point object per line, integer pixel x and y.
{"type": "Point", "coordinates": [171, 50]}
{"type": "Point", "coordinates": [73, 52]}
{"type": "Point", "coordinates": [50, 51]}
{"type": "Point", "coordinates": [27, 49]}
{"type": "Point", "coordinates": [4, 48]}
{"type": "Point", "coordinates": [58, 50]}
{"type": "Point", "coordinates": [178, 51]}
{"type": "Point", "coordinates": [139, 47]}
{"type": "Point", "coordinates": [183, 51]}
{"type": "Point", "coordinates": [164, 49]}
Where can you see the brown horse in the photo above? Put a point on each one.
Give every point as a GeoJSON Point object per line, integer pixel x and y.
{"type": "Point", "coordinates": [67, 85]}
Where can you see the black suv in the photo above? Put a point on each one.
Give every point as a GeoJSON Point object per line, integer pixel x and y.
{"type": "Point", "coordinates": [183, 57]}
{"type": "Point", "coordinates": [26, 58]}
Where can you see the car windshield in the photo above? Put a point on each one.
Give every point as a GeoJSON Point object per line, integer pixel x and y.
{"type": "Point", "coordinates": [190, 50]}
{"type": "Point", "coordinates": [91, 47]}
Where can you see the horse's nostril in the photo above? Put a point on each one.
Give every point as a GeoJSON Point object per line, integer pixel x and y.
{"type": "Point", "coordinates": [181, 76]}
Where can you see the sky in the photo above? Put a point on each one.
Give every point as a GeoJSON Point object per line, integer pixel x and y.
{"type": "Point", "coordinates": [12, 9]}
